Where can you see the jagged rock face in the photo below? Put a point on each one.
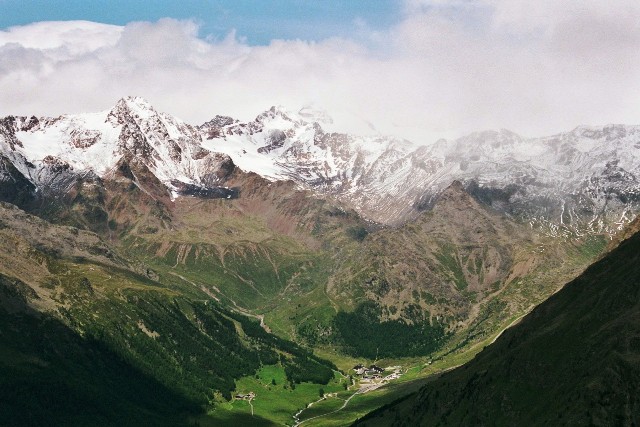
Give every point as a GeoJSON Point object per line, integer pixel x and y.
{"type": "Point", "coordinates": [216, 167]}
{"type": "Point", "coordinates": [55, 176]}
{"type": "Point", "coordinates": [53, 150]}
{"type": "Point", "coordinates": [8, 127]}
{"type": "Point", "coordinates": [568, 182]}
{"type": "Point", "coordinates": [50, 187]}
{"type": "Point", "coordinates": [205, 192]}
{"type": "Point", "coordinates": [286, 145]}
{"type": "Point", "coordinates": [274, 140]}
{"type": "Point", "coordinates": [214, 127]}
{"type": "Point", "coordinates": [14, 186]}
{"type": "Point", "coordinates": [168, 146]}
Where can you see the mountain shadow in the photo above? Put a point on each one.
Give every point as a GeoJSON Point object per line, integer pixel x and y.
{"type": "Point", "coordinates": [51, 376]}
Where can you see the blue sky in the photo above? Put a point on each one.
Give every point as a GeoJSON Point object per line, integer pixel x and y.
{"type": "Point", "coordinates": [259, 21]}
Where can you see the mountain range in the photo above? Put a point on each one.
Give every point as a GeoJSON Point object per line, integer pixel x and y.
{"type": "Point", "coordinates": [580, 181]}
{"type": "Point", "coordinates": [268, 242]}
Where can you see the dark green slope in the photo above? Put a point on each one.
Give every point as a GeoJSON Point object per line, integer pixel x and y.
{"type": "Point", "coordinates": [575, 360]}
{"type": "Point", "coordinates": [50, 376]}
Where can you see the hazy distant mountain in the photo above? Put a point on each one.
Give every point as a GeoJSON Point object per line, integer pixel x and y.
{"type": "Point", "coordinates": [583, 180]}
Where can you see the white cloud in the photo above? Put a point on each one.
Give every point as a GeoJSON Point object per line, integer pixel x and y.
{"type": "Point", "coordinates": [450, 66]}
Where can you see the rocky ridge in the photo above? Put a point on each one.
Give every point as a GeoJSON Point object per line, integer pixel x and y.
{"type": "Point", "coordinates": [51, 152]}
{"type": "Point", "coordinates": [576, 182]}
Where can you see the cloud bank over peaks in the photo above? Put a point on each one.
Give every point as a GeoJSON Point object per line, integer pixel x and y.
{"type": "Point", "coordinates": [447, 68]}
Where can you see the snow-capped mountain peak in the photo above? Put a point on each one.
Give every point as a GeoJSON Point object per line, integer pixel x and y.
{"type": "Point", "coordinates": [96, 142]}
{"type": "Point", "coordinates": [130, 107]}
{"type": "Point", "coordinates": [583, 180]}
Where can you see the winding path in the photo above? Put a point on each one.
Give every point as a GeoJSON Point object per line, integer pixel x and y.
{"type": "Point", "coordinates": [235, 307]}
{"type": "Point", "coordinates": [361, 390]}
{"type": "Point", "coordinates": [516, 320]}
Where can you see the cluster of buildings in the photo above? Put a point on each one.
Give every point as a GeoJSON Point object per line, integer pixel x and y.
{"type": "Point", "coordinates": [372, 372]}
{"type": "Point", "coordinates": [249, 396]}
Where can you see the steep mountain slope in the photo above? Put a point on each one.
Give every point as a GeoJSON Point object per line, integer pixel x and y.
{"type": "Point", "coordinates": [122, 173]}
{"type": "Point", "coordinates": [271, 245]}
{"type": "Point", "coordinates": [169, 335]}
{"type": "Point", "coordinates": [573, 361]}
{"type": "Point", "coordinates": [249, 250]}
